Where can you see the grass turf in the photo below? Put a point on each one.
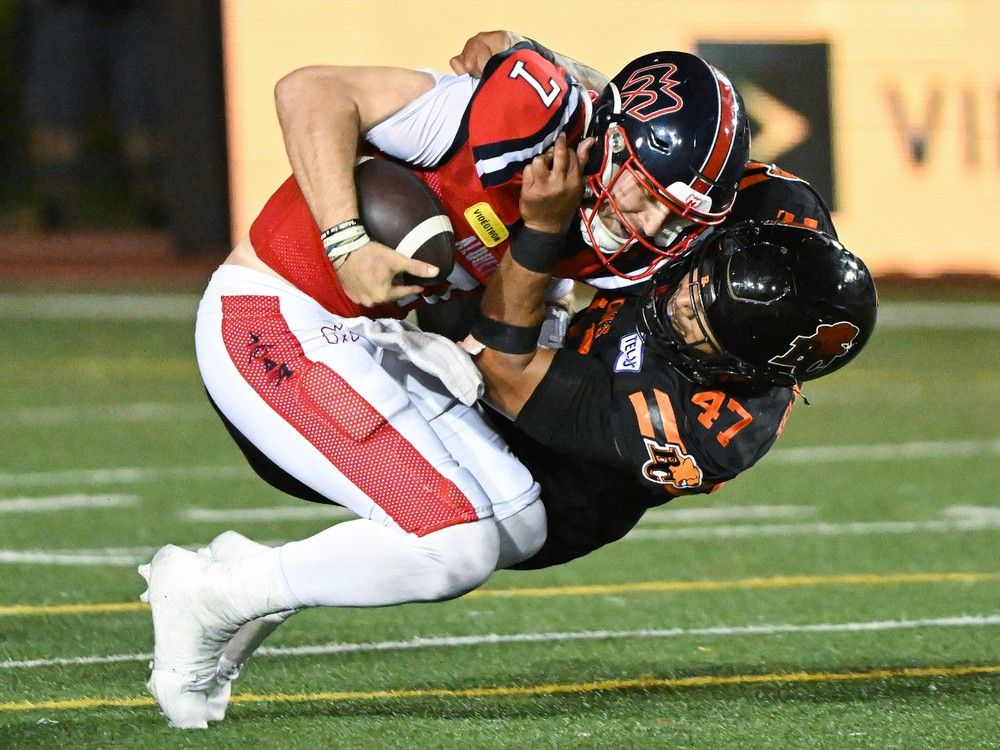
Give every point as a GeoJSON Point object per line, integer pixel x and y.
{"type": "Point", "coordinates": [682, 690]}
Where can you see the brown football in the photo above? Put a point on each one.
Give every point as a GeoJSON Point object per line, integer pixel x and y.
{"type": "Point", "coordinates": [401, 212]}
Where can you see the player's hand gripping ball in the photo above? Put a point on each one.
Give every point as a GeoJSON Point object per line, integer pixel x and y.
{"type": "Point", "coordinates": [401, 212]}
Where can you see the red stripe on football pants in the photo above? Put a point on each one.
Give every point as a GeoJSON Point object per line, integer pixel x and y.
{"type": "Point", "coordinates": [350, 433]}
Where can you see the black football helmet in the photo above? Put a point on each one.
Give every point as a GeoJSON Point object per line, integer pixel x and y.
{"type": "Point", "coordinates": [679, 126]}
{"type": "Point", "coordinates": [780, 304]}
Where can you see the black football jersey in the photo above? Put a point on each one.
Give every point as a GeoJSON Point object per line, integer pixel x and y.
{"type": "Point", "coordinates": [614, 429]}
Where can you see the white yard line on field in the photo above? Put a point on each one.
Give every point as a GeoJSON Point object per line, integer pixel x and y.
{"type": "Point", "coordinates": [941, 315]}
{"type": "Point", "coordinates": [420, 643]}
{"type": "Point", "coordinates": [182, 307]}
{"type": "Point", "coordinates": [858, 528]}
{"type": "Point", "coordinates": [724, 513]}
{"type": "Point", "coordinates": [44, 416]}
{"type": "Point", "coordinates": [304, 512]}
{"type": "Point", "coordinates": [816, 454]}
{"type": "Point", "coordinates": [125, 307]}
{"type": "Point", "coordinates": [884, 451]}
{"type": "Point", "coordinates": [122, 475]}
{"type": "Point", "coordinates": [64, 502]}
{"type": "Point", "coordinates": [959, 522]}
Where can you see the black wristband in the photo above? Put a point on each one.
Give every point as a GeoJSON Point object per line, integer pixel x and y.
{"type": "Point", "coordinates": [536, 251]}
{"type": "Point", "coordinates": [504, 337]}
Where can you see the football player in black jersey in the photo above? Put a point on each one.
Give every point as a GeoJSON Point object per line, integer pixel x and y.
{"type": "Point", "coordinates": [679, 389]}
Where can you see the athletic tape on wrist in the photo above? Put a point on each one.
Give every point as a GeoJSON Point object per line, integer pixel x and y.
{"type": "Point", "coordinates": [344, 238]}
{"type": "Point", "coordinates": [505, 337]}
{"type": "Point", "coordinates": [536, 251]}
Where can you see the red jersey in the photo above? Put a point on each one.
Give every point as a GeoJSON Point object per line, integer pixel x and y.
{"type": "Point", "coordinates": [522, 103]}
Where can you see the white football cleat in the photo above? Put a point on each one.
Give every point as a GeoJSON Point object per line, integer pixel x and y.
{"type": "Point", "coordinates": [189, 632]}
{"type": "Point", "coordinates": [228, 546]}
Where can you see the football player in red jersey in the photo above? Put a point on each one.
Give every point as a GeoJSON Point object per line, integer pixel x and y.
{"type": "Point", "coordinates": [331, 399]}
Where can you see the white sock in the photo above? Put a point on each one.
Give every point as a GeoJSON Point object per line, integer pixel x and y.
{"type": "Point", "coordinates": [249, 587]}
{"type": "Point", "coordinates": [522, 534]}
{"type": "Point", "coordinates": [363, 564]}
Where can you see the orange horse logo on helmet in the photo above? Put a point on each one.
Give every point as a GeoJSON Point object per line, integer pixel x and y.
{"type": "Point", "coordinates": [810, 354]}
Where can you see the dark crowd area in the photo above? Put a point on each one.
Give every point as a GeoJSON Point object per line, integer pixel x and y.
{"type": "Point", "coordinates": [112, 118]}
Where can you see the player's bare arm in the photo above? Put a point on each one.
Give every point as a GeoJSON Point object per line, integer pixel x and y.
{"type": "Point", "coordinates": [323, 111]}
{"type": "Point", "coordinates": [513, 305]}
{"type": "Point", "coordinates": [480, 48]}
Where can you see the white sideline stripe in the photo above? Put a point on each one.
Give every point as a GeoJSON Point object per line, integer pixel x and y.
{"type": "Point", "coordinates": [68, 307]}
{"type": "Point", "coordinates": [819, 454]}
{"type": "Point", "coordinates": [71, 557]}
{"type": "Point", "coordinates": [280, 513]}
{"type": "Point", "coordinates": [122, 475]}
{"type": "Point", "coordinates": [182, 307]}
{"type": "Point", "coordinates": [419, 643]}
{"type": "Point", "coordinates": [973, 511]}
{"type": "Point", "coordinates": [64, 502]}
{"type": "Point", "coordinates": [34, 416]}
{"type": "Point", "coordinates": [725, 513]}
{"type": "Point", "coordinates": [860, 528]}
{"type": "Point", "coordinates": [128, 556]}
{"type": "Point", "coordinates": [883, 451]}
{"type": "Point", "coordinates": [938, 315]}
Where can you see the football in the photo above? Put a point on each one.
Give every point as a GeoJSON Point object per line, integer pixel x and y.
{"type": "Point", "coordinates": [401, 212]}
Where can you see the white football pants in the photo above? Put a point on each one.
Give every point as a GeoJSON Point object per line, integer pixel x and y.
{"type": "Point", "coordinates": [369, 431]}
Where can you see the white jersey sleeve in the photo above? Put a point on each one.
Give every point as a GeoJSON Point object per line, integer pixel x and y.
{"type": "Point", "coordinates": [423, 131]}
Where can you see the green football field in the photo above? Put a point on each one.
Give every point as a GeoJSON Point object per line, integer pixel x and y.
{"type": "Point", "coordinates": [844, 593]}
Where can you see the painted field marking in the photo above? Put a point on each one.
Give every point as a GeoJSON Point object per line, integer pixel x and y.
{"type": "Point", "coordinates": [486, 639]}
{"type": "Point", "coordinates": [47, 416]}
{"type": "Point", "coordinates": [639, 683]}
{"type": "Point", "coordinates": [859, 528]}
{"type": "Point", "coordinates": [63, 307]}
{"type": "Point", "coordinates": [123, 475]}
{"type": "Point", "coordinates": [883, 451]}
{"type": "Point", "coordinates": [817, 454]}
{"type": "Point", "coordinates": [602, 589]}
{"type": "Point", "coordinates": [304, 511]}
{"type": "Point", "coordinates": [182, 308]}
{"type": "Point", "coordinates": [960, 524]}
{"type": "Point", "coordinates": [939, 315]}
{"type": "Point", "coordinates": [64, 502]}
{"type": "Point", "coordinates": [724, 513]}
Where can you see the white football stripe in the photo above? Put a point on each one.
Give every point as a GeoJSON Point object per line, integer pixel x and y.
{"type": "Point", "coordinates": [418, 643]}
{"type": "Point", "coordinates": [422, 232]}
{"type": "Point", "coordinates": [64, 502]}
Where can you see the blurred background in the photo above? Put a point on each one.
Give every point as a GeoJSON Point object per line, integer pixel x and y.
{"type": "Point", "coordinates": [138, 137]}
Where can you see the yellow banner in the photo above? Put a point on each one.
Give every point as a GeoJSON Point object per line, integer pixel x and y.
{"type": "Point", "coordinates": [910, 139]}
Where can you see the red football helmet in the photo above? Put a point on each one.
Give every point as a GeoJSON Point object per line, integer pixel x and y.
{"type": "Point", "coordinates": [679, 128]}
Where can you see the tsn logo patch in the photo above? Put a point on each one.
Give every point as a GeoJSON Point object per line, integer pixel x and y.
{"type": "Point", "coordinates": [669, 464]}
{"type": "Point", "coordinates": [808, 354]}
{"type": "Point", "coordinates": [629, 353]}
